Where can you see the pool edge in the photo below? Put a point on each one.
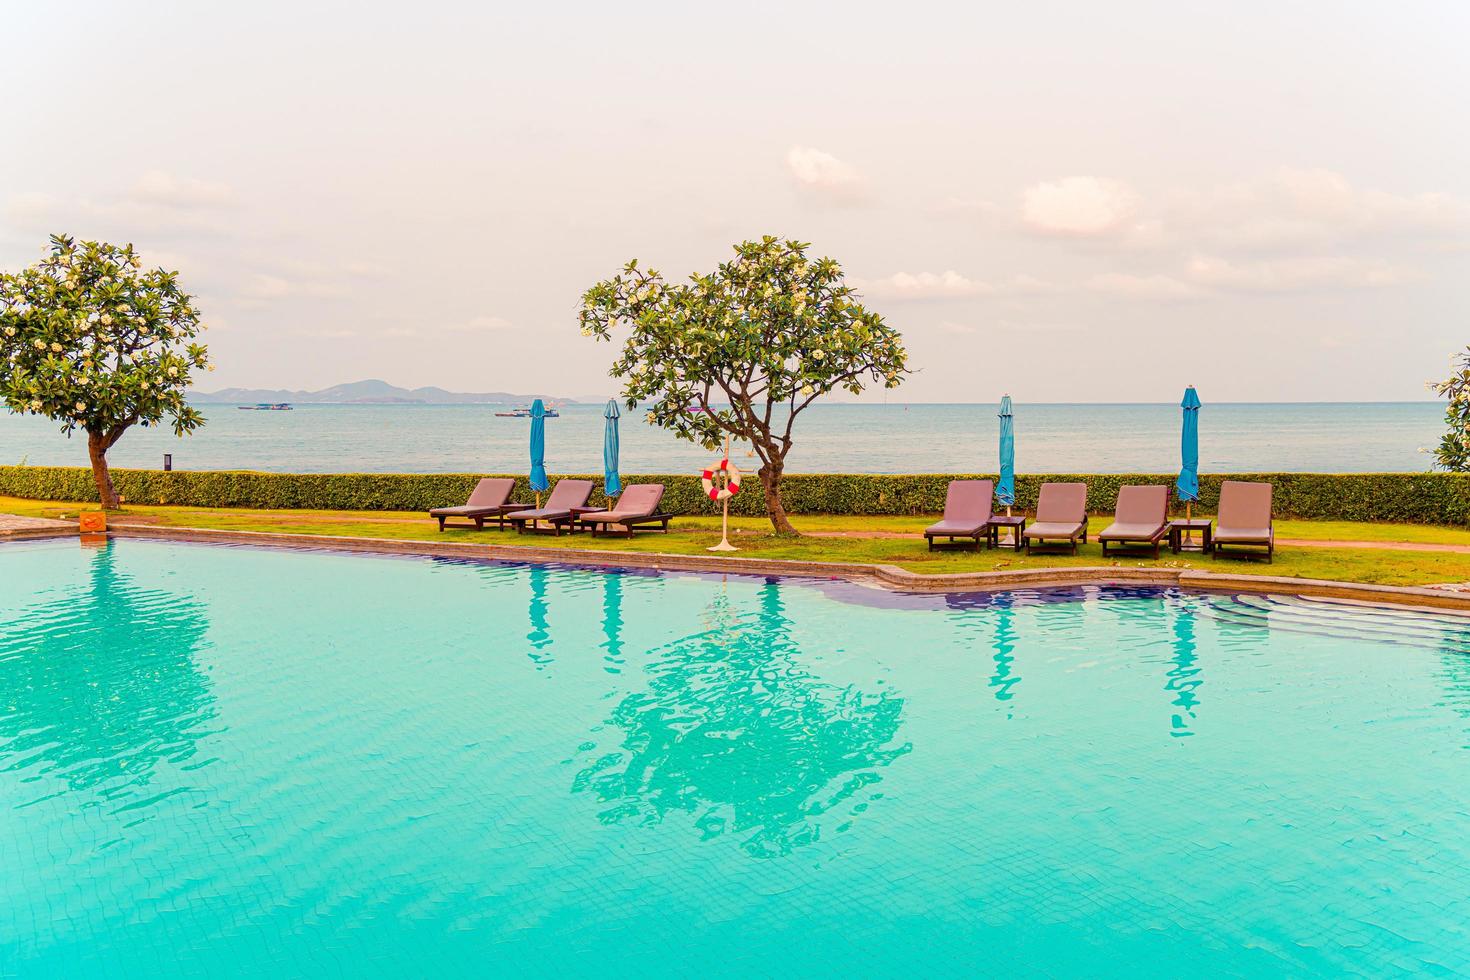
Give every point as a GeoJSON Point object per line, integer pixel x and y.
{"type": "Point", "coordinates": [889, 577]}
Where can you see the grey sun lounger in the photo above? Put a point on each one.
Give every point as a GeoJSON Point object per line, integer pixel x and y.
{"type": "Point", "coordinates": [1141, 518]}
{"type": "Point", "coordinates": [490, 498]}
{"type": "Point", "coordinates": [1244, 517]}
{"type": "Point", "coordinates": [967, 506]}
{"type": "Point", "coordinates": [566, 495]}
{"type": "Point", "coordinates": [637, 507]}
{"type": "Point", "coordinates": [1061, 515]}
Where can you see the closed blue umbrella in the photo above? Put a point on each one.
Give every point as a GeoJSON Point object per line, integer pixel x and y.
{"type": "Point", "coordinates": [538, 449]}
{"type": "Point", "coordinates": [612, 485]}
{"type": "Point", "coordinates": [1005, 490]}
{"type": "Point", "coordinates": [1188, 482]}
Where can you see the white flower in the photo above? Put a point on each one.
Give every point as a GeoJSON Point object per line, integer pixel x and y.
{"type": "Point", "coordinates": [107, 319]}
{"type": "Point", "coordinates": [807, 389]}
{"type": "Point", "coordinates": [81, 406]}
{"type": "Point", "coordinates": [40, 344]}
{"type": "Point", "coordinates": [10, 331]}
{"type": "Point", "coordinates": [143, 329]}
{"type": "Point", "coordinates": [586, 331]}
{"type": "Point", "coordinates": [173, 372]}
{"type": "Point", "coordinates": [56, 348]}
{"type": "Point", "coordinates": [819, 354]}
{"type": "Point", "coordinates": [649, 418]}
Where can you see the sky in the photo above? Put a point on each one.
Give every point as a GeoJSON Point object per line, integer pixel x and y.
{"type": "Point", "coordinates": [1065, 202]}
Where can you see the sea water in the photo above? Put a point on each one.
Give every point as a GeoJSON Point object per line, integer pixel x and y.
{"type": "Point", "coordinates": [893, 438]}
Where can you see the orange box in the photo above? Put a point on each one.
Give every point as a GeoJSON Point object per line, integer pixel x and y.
{"type": "Point", "coordinates": [92, 522]}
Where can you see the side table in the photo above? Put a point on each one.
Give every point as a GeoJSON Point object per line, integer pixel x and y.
{"type": "Point", "coordinates": [1179, 528]}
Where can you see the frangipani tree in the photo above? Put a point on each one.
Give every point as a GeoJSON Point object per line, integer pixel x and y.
{"type": "Point", "coordinates": [743, 350]}
{"type": "Point", "coordinates": [94, 341]}
{"type": "Point", "coordinates": [1453, 451]}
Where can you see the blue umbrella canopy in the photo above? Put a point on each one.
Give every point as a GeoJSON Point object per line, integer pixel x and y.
{"type": "Point", "coordinates": [612, 484]}
{"type": "Point", "coordinates": [1188, 482]}
{"type": "Point", "coordinates": [538, 447]}
{"type": "Point", "coordinates": [1005, 490]}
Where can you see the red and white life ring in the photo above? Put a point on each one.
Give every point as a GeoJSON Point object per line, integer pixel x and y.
{"type": "Point", "coordinates": [732, 481]}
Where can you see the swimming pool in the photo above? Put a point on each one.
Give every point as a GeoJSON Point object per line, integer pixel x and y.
{"type": "Point", "coordinates": [231, 761]}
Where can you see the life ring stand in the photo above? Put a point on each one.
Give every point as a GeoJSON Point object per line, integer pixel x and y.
{"type": "Point", "coordinates": [731, 486]}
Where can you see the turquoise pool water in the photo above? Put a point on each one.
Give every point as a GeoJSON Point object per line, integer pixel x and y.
{"type": "Point", "coordinates": [233, 761]}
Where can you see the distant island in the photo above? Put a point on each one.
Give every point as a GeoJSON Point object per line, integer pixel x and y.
{"type": "Point", "coordinates": [370, 392]}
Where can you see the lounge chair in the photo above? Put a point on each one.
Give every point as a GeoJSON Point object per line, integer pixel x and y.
{"type": "Point", "coordinates": [1141, 518]}
{"type": "Point", "coordinates": [637, 507]}
{"type": "Point", "coordinates": [490, 498]}
{"type": "Point", "coordinates": [1244, 517]}
{"type": "Point", "coordinates": [1061, 515]}
{"type": "Point", "coordinates": [967, 506]}
{"type": "Point", "coordinates": [565, 496]}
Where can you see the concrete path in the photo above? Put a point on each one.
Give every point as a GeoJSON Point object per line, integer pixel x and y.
{"type": "Point", "coordinates": [15, 526]}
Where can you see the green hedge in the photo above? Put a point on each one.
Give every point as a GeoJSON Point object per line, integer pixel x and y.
{"type": "Point", "coordinates": [1424, 498]}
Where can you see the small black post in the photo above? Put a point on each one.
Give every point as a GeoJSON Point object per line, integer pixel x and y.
{"type": "Point", "coordinates": [168, 462]}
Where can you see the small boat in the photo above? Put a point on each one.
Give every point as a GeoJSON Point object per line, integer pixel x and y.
{"type": "Point", "coordinates": [266, 407]}
{"type": "Point", "coordinates": [525, 413]}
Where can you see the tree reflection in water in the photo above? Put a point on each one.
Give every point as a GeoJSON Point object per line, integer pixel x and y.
{"type": "Point", "coordinates": [99, 685]}
{"type": "Point", "coordinates": [612, 622]}
{"type": "Point", "coordinates": [536, 612]}
{"type": "Point", "coordinates": [1455, 654]}
{"type": "Point", "coordinates": [1004, 679]}
{"type": "Point", "coordinates": [1184, 676]}
{"type": "Point", "coordinates": [734, 729]}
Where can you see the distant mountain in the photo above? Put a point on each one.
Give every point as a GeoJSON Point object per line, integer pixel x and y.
{"type": "Point", "coordinates": [370, 392]}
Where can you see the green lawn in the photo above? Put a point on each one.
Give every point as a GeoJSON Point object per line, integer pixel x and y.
{"type": "Point", "coordinates": [694, 534]}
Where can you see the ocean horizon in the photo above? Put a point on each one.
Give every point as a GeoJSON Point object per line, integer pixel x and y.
{"type": "Point", "coordinates": [908, 437]}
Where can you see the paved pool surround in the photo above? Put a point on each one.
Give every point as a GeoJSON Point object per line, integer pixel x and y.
{"type": "Point", "coordinates": [888, 577]}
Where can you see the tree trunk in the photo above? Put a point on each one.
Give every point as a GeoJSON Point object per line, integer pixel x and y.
{"type": "Point", "coordinates": [97, 446]}
{"type": "Point", "coordinates": [770, 475]}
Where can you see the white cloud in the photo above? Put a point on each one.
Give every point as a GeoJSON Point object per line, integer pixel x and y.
{"type": "Point", "coordinates": [260, 288]}
{"type": "Point", "coordinates": [157, 203]}
{"type": "Point", "coordinates": [1083, 207]}
{"type": "Point", "coordinates": [1290, 209]}
{"type": "Point", "coordinates": [119, 221]}
{"type": "Point", "coordinates": [1294, 208]}
{"type": "Point", "coordinates": [969, 207]}
{"type": "Point", "coordinates": [1295, 273]}
{"type": "Point", "coordinates": [824, 176]}
{"type": "Point", "coordinates": [945, 285]}
{"type": "Point", "coordinates": [1155, 286]}
{"type": "Point", "coordinates": [474, 325]}
{"type": "Point", "coordinates": [160, 187]}
{"type": "Point", "coordinates": [265, 287]}
{"type": "Point", "coordinates": [480, 324]}
{"type": "Point", "coordinates": [922, 285]}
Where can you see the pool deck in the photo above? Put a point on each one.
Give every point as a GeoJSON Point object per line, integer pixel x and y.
{"type": "Point", "coordinates": [13, 526]}
{"type": "Point", "coordinates": [874, 575]}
